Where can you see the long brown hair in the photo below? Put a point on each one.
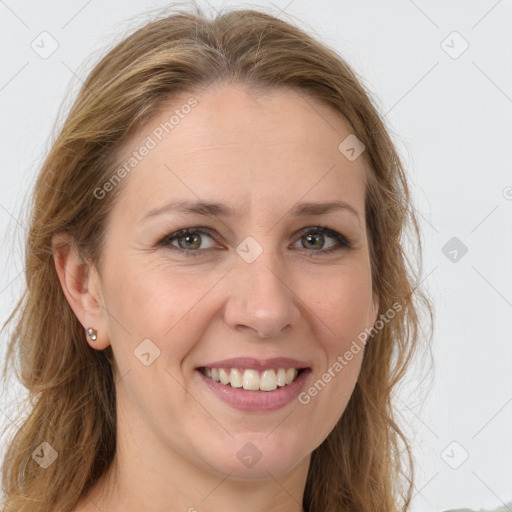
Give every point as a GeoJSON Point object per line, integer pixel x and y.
{"type": "Point", "coordinates": [360, 466]}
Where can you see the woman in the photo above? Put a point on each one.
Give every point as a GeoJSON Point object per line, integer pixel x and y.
{"type": "Point", "coordinates": [218, 304]}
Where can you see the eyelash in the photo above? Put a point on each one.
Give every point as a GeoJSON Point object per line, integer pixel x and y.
{"type": "Point", "coordinates": [343, 242]}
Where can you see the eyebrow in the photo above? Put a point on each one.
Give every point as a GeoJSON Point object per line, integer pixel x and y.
{"type": "Point", "coordinates": [212, 209]}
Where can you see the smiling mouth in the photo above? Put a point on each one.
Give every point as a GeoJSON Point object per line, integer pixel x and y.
{"type": "Point", "coordinates": [251, 379]}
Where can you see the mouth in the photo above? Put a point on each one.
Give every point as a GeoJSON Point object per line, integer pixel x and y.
{"type": "Point", "coordinates": [255, 385]}
{"type": "Point", "coordinates": [251, 379]}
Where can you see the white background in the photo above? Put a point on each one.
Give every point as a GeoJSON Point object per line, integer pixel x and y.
{"type": "Point", "coordinates": [451, 119]}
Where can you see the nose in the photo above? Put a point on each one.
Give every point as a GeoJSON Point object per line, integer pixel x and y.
{"type": "Point", "coordinates": [261, 298]}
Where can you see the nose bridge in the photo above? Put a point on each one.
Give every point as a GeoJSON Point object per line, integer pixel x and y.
{"type": "Point", "coordinates": [260, 296]}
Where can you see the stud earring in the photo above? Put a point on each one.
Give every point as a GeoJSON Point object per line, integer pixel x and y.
{"type": "Point", "coordinates": [92, 334]}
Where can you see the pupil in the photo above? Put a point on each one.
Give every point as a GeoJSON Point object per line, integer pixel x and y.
{"type": "Point", "coordinates": [310, 238]}
{"type": "Point", "coordinates": [189, 240]}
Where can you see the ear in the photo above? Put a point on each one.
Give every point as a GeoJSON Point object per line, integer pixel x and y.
{"type": "Point", "coordinates": [80, 283]}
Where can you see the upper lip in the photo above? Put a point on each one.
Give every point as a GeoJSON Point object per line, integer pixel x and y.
{"type": "Point", "coordinates": [257, 364]}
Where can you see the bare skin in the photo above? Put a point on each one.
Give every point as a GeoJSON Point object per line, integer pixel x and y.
{"type": "Point", "coordinates": [178, 441]}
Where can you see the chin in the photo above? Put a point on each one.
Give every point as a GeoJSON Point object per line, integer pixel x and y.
{"type": "Point", "coordinates": [251, 456]}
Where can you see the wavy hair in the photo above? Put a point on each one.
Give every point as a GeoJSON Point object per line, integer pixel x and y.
{"type": "Point", "coordinates": [365, 463]}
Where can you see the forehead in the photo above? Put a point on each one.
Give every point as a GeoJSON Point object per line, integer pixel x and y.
{"type": "Point", "coordinates": [229, 144]}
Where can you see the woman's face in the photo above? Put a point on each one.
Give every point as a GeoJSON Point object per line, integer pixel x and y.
{"type": "Point", "coordinates": [254, 287]}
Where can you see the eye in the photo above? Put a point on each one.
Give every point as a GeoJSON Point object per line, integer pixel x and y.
{"type": "Point", "coordinates": [188, 240]}
{"type": "Point", "coordinates": [314, 239]}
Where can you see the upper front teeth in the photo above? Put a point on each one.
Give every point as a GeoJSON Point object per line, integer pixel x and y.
{"type": "Point", "coordinates": [251, 379]}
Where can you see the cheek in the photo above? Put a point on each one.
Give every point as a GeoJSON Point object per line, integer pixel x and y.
{"type": "Point", "coordinates": [343, 307]}
{"type": "Point", "coordinates": [156, 303]}
{"type": "Point", "coordinates": [343, 304]}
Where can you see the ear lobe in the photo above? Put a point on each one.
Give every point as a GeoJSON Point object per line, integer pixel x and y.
{"type": "Point", "coordinates": [76, 280]}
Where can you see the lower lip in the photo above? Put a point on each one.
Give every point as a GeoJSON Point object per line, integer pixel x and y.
{"type": "Point", "coordinates": [257, 400]}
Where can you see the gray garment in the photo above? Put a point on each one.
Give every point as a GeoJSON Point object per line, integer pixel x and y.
{"type": "Point", "coordinates": [504, 508]}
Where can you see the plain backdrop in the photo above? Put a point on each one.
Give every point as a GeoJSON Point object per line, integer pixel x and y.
{"type": "Point", "coordinates": [440, 73]}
